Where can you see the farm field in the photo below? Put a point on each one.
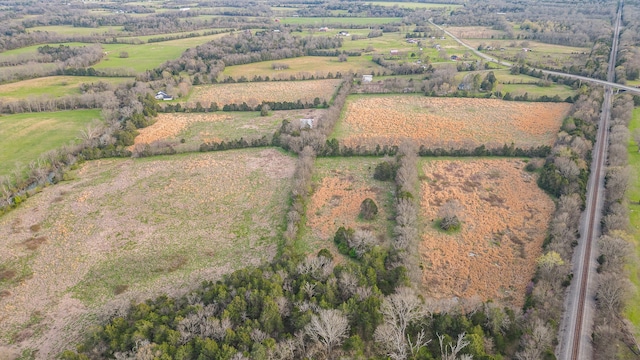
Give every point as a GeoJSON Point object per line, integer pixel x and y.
{"type": "Point", "coordinates": [520, 84]}
{"type": "Point", "coordinates": [385, 120]}
{"type": "Point", "coordinates": [147, 56]}
{"type": "Point", "coordinates": [413, 5]}
{"type": "Point", "coordinates": [502, 212]}
{"type": "Point", "coordinates": [52, 86]}
{"type": "Point", "coordinates": [24, 137]}
{"type": "Point", "coordinates": [324, 21]}
{"type": "Point", "coordinates": [339, 187]}
{"type": "Point", "coordinates": [306, 65]}
{"type": "Point", "coordinates": [196, 128]}
{"type": "Point", "coordinates": [255, 93]}
{"type": "Point", "coordinates": [72, 30]}
{"type": "Point", "coordinates": [132, 229]}
{"type": "Point", "coordinates": [632, 311]}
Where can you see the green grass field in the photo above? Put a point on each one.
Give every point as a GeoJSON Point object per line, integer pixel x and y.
{"type": "Point", "coordinates": [632, 311]}
{"type": "Point", "coordinates": [412, 5]}
{"type": "Point", "coordinates": [51, 86]}
{"type": "Point", "coordinates": [147, 56]}
{"type": "Point", "coordinates": [309, 65]}
{"type": "Point", "coordinates": [321, 21]}
{"type": "Point", "coordinates": [71, 30]}
{"type": "Point", "coordinates": [24, 137]}
{"type": "Point", "coordinates": [34, 48]}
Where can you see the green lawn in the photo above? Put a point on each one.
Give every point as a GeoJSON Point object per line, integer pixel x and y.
{"type": "Point", "coordinates": [52, 86]}
{"type": "Point", "coordinates": [24, 137]}
{"type": "Point", "coordinates": [633, 194]}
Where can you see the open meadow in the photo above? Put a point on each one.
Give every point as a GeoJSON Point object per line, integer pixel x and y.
{"type": "Point", "coordinates": [306, 66]}
{"type": "Point", "coordinates": [24, 137]}
{"type": "Point", "coordinates": [198, 128]}
{"type": "Point", "coordinates": [503, 214]}
{"type": "Point", "coordinates": [255, 93]}
{"type": "Point", "coordinates": [130, 229]}
{"type": "Point", "coordinates": [632, 310]}
{"type": "Point", "coordinates": [447, 122]}
{"type": "Point", "coordinates": [52, 86]}
{"type": "Point", "coordinates": [340, 185]}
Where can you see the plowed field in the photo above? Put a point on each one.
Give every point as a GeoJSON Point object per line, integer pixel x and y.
{"type": "Point", "coordinates": [132, 229]}
{"type": "Point", "coordinates": [504, 220]}
{"type": "Point", "coordinates": [448, 122]}
{"type": "Point", "coordinates": [255, 93]}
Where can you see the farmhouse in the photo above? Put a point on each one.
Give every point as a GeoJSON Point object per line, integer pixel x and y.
{"type": "Point", "coordinates": [306, 123]}
{"type": "Point", "coordinates": [394, 52]}
{"type": "Point", "coordinates": [367, 78]}
{"type": "Point", "coordinates": [161, 95]}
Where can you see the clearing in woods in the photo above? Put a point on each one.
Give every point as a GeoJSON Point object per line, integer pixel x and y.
{"type": "Point", "coordinates": [255, 93]}
{"type": "Point", "coordinates": [133, 229]}
{"type": "Point", "coordinates": [339, 187]}
{"type": "Point", "coordinates": [370, 120]}
{"type": "Point", "coordinates": [197, 128]}
{"type": "Point", "coordinates": [504, 217]}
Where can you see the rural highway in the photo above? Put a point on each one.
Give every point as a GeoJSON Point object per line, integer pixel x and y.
{"type": "Point", "coordinates": [608, 82]}
{"type": "Point", "coordinates": [577, 323]}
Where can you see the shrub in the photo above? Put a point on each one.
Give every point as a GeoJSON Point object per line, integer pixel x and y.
{"type": "Point", "coordinates": [385, 171]}
{"type": "Point", "coordinates": [368, 209]}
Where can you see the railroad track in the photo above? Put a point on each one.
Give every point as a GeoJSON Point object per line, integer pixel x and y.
{"type": "Point", "coordinates": [580, 319]}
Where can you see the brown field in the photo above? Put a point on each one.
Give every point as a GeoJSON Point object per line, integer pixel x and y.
{"type": "Point", "coordinates": [339, 189]}
{"type": "Point", "coordinates": [448, 122]}
{"type": "Point", "coordinates": [196, 128]}
{"type": "Point", "coordinates": [131, 229]}
{"type": "Point", "coordinates": [504, 220]}
{"type": "Point", "coordinates": [255, 93]}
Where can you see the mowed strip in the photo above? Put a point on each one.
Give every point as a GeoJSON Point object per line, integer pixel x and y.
{"type": "Point", "coordinates": [448, 122]}
{"type": "Point", "coordinates": [134, 228]}
{"type": "Point", "coordinates": [504, 216]}
{"type": "Point", "coordinates": [255, 93]}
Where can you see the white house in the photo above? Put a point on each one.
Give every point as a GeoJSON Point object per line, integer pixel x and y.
{"type": "Point", "coordinates": [367, 78]}
{"type": "Point", "coordinates": [306, 123]}
{"type": "Point", "coordinates": [161, 95]}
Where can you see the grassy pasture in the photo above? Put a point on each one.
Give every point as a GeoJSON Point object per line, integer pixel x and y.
{"type": "Point", "coordinates": [71, 30]}
{"type": "Point", "coordinates": [370, 120]}
{"type": "Point", "coordinates": [501, 210]}
{"type": "Point", "coordinates": [307, 65]}
{"type": "Point", "coordinates": [125, 228]}
{"type": "Point", "coordinates": [257, 92]}
{"type": "Point", "coordinates": [339, 187]}
{"type": "Point", "coordinates": [412, 5]}
{"type": "Point", "coordinates": [632, 311]}
{"type": "Point", "coordinates": [24, 137]}
{"type": "Point", "coordinates": [196, 128]}
{"type": "Point", "coordinates": [33, 49]}
{"type": "Point", "coordinates": [321, 21]}
{"type": "Point", "coordinates": [147, 56]}
{"type": "Point", "coordinates": [52, 86]}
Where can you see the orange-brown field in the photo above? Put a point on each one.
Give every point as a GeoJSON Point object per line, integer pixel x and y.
{"type": "Point", "coordinates": [169, 125]}
{"type": "Point", "coordinates": [504, 220]}
{"type": "Point", "coordinates": [255, 93]}
{"type": "Point", "coordinates": [338, 192]}
{"type": "Point", "coordinates": [448, 122]}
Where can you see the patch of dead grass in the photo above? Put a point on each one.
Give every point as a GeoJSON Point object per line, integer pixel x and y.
{"type": "Point", "coordinates": [504, 222]}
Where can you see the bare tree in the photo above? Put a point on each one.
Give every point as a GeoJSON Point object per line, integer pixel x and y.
{"type": "Point", "coordinates": [399, 310]}
{"type": "Point", "coordinates": [450, 351]}
{"type": "Point", "coordinates": [614, 251]}
{"type": "Point", "coordinates": [612, 293]}
{"type": "Point", "coordinates": [448, 215]}
{"type": "Point", "coordinates": [328, 328]}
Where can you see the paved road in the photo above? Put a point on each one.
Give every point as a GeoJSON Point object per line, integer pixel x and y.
{"type": "Point", "coordinates": [610, 82]}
